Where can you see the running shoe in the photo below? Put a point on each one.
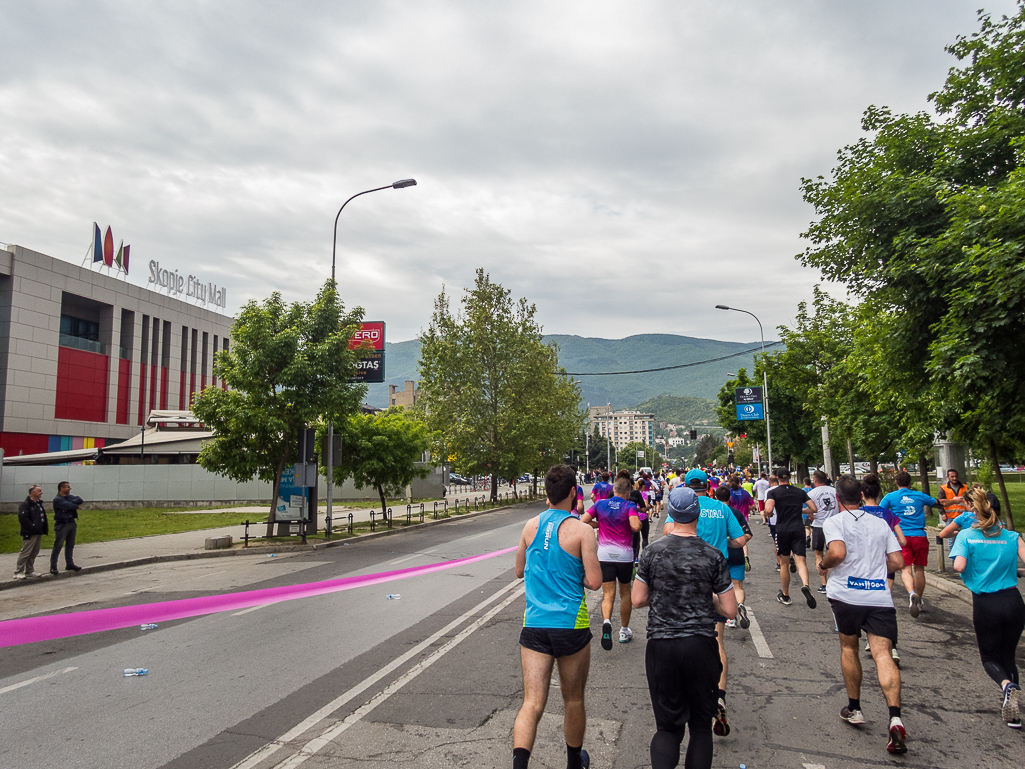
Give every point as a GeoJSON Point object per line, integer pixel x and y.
{"type": "Point", "coordinates": [896, 657]}
{"type": "Point", "coordinates": [783, 599]}
{"type": "Point", "coordinates": [898, 737]}
{"type": "Point", "coordinates": [720, 724]}
{"type": "Point", "coordinates": [742, 617]}
{"type": "Point", "coordinates": [1010, 711]}
{"type": "Point", "coordinates": [854, 717]}
{"type": "Point", "coordinates": [793, 565]}
{"type": "Point", "coordinates": [585, 759]}
{"type": "Point", "coordinates": [606, 636]}
{"type": "Point", "coordinates": [626, 635]}
{"type": "Point", "coordinates": [915, 605]}
{"type": "Point", "coordinates": [777, 565]}
{"type": "Point", "coordinates": [747, 563]}
{"type": "Point", "coordinates": [822, 589]}
{"type": "Point", "coordinates": [808, 596]}
{"type": "Point", "coordinates": [731, 622]}
{"type": "Point", "coordinates": [868, 646]}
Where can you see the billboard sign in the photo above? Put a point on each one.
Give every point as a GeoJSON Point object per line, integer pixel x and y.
{"type": "Point", "coordinates": [747, 395]}
{"type": "Point", "coordinates": [370, 368]}
{"type": "Point", "coordinates": [749, 412]}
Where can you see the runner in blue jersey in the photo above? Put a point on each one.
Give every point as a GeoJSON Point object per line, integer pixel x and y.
{"type": "Point", "coordinates": [909, 505]}
{"type": "Point", "coordinates": [602, 489]}
{"type": "Point", "coordinates": [557, 558]}
{"type": "Point", "coordinates": [718, 527]}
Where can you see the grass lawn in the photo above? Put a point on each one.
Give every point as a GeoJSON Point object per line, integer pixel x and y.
{"type": "Point", "coordinates": [1015, 493]}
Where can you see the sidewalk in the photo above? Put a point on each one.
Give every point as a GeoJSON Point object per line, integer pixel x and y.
{"type": "Point", "coordinates": [138, 551]}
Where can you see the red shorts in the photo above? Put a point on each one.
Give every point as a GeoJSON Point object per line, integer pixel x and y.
{"type": "Point", "coordinates": [916, 551]}
{"type": "Point", "coordinates": [761, 505]}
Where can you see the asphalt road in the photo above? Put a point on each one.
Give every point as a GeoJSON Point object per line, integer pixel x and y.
{"type": "Point", "coordinates": [432, 679]}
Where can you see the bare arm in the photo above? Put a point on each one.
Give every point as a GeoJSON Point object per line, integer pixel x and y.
{"type": "Point", "coordinates": [950, 530]}
{"type": "Point", "coordinates": [738, 542]}
{"type": "Point", "coordinates": [894, 561]}
{"type": "Point", "coordinates": [961, 562]}
{"type": "Point", "coordinates": [639, 593]}
{"type": "Point", "coordinates": [836, 551]}
{"type": "Point", "coordinates": [589, 555]}
{"type": "Point", "coordinates": [726, 603]}
{"type": "Point", "coordinates": [812, 509]}
{"type": "Point", "coordinates": [770, 505]}
{"type": "Point", "coordinates": [586, 518]}
{"type": "Point", "coordinates": [898, 532]}
{"type": "Point", "coordinates": [635, 523]}
{"type": "Point", "coordinates": [1021, 547]}
{"type": "Point", "coordinates": [521, 551]}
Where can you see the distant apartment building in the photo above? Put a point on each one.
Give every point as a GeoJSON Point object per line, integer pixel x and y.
{"type": "Point", "coordinates": [624, 427]}
{"type": "Point", "coordinates": [406, 397]}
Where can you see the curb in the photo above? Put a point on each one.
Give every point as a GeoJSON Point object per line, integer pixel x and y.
{"type": "Point", "coordinates": [255, 550]}
{"type": "Point", "coordinates": [948, 587]}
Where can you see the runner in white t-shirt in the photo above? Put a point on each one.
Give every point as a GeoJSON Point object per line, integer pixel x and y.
{"type": "Point", "coordinates": [861, 549]}
{"type": "Point", "coordinates": [824, 497]}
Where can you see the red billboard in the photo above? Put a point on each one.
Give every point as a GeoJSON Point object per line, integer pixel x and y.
{"type": "Point", "coordinates": [371, 361]}
{"type": "Point", "coordinates": [372, 332]}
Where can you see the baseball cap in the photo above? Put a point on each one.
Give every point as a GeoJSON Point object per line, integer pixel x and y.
{"type": "Point", "coordinates": [782, 472]}
{"type": "Point", "coordinates": [683, 505]}
{"type": "Point", "coordinates": [698, 478]}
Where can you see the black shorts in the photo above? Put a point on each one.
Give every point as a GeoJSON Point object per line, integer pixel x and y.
{"type": "Point", "coordinates": [683, 676]}
{"type": "Point", "coordinates": [877, 620]}
{"type": "Point", "coordinates": [818, 539]}
{"type": "Point", "coordinates": [613, 571]}
{"type": "Point", "coordinates": [790, 542]}
{"type": "Point", "coordinates": [555, 642]}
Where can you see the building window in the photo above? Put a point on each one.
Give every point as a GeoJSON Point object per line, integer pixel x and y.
{"type": "Point", "coordinates": [81, 334]}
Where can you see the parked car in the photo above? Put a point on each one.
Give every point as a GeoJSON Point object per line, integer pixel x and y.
{"type": "Point", "coordinates": [455, 479]}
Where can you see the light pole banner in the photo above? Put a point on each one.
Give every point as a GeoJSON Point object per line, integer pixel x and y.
{"type": "Point", "coordinates": [750, 412]}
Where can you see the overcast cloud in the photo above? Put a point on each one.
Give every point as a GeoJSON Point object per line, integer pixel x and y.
{"type": "Point", "coordinates": [625, 166]}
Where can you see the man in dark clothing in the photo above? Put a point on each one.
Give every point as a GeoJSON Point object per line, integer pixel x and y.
{"type": "Point", "coordinates": [787, 502]}
{"type": "Point", "coordinates": [32, 517]}
{"type": "Point", "coordinates": [686, 582]}
{"type": "Point", "coordinates": [65, 525]}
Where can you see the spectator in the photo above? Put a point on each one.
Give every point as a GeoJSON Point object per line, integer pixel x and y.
{"type": "Point", "coordinates": [32, 517]}
{"type": "Point", "coordinates": [65, 526]}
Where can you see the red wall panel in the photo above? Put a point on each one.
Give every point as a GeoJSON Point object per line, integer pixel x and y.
{"type": "Point", "coordinates": [124, 390]}
{"type": "Point", "coordinates": [163, 387]}
{"type": "Point", "coordinates": [81, 385]}
{"type": "Point", "coordinates": [15, 444]}
{"type": "Point", "coordinates": [142, 392]}
{"type": "Point", "coordinates": [182, 393]}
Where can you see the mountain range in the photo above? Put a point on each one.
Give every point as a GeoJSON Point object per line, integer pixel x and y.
{"type": "Point", "coordinates": [585, 356]}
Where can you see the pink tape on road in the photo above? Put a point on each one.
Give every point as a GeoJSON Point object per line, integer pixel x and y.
{"type": "Point", "coordinates": [32, 629]}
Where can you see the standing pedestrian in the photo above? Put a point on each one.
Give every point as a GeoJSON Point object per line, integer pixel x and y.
{"type": "Point", "coordinates": [65, 526]}
{"type": "Point", "coordinates": [952, 497]}
{"type": "Point", "coordinates": [686, 583]}
{"type": "Point", "coordinates": [861, 549]}
{"type": "Point", "coordinates": [32, 517]}
{"type": "Point", "coordinates": [557, 558]}
{"type": "Point", "coordinates": [986, 556]}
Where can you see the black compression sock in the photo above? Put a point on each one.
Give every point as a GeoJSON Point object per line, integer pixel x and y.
{"type": "Point", "coordinates": [520, 758]}
{"type": "Point", "coordinates": [894, 711]}
{"type": "Point", "coordinates": [722, 694]}
{"type": "Point", "coordinates": [573, 757]}
{"type": "Point", "coordinates": [853, 705]}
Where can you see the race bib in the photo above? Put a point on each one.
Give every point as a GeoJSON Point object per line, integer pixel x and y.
{"type": "Point", "coordinates": [858, 583]}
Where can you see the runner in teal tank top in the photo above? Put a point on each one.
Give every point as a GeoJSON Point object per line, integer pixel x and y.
{"type": "Point", "coordinates": [557, 558]}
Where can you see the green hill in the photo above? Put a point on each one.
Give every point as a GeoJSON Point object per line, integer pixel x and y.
{"type": "Point", "coordinates": [584, 355]}
{"type": "Point", "coordinates": [680, 409]}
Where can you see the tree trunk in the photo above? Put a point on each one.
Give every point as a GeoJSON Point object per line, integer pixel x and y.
{"type": "Point", "coordinates": [923, 473]}
{"type": "Point", "coordinates": [535, 481]}
{"type": "Point", "coordinates": [873, 466]}
{"type": "Point", "coordinates": [494, 487]}
{"type": "Point", "coordinates": [834, 466]}
{"type": "Point", "coordinates": [384, 502]}
{"type": "Point", "coordinates": [850, 460]}
{"type": "Point", "coordinates": [994, 459]}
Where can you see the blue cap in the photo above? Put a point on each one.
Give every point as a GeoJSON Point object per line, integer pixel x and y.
{"type": "Point", "coordinates": [696, 477]}
{"type": "Point", "coordinates": [683, 505]}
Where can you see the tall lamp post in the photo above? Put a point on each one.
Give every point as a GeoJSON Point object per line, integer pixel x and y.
{"type": "Point", "coordinates": [329, 459]}
{"type": "Point", "coordinates": [765, 378]}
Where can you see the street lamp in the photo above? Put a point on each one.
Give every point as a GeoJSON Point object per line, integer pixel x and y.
{"type": "Point", "coordinates": [765, 378]}
{"type": "Point", "coordinates": [329, 459]}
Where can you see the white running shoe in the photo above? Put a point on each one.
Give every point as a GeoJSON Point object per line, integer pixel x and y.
{"type": "Point", "coordinates": [855, 717]}
{"type": "Point", "coordinates": [914, 605]}
{"type": "Point", "coordinates": [1010, 710]}
{"type": "Point", "coordinates": [731, 623]}
{"type": "Point", "coordinates": [625, 635]}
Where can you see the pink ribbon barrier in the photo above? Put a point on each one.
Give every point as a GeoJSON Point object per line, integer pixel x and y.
{"type": "Point", "coordinates": [33, 629]}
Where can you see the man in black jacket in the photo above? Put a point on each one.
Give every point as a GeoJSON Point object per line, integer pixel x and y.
{"type": "Point", "coordinates": [32, 517]}
{"type": "Point", "coordinates": [65, 524]}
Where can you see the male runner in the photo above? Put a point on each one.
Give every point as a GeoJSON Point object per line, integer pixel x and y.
{"type": "Point", "coordinates": [602, 489]}
{"type": "Point", "coordinates": [787, 502]}
{"type": "Point", "coordinates": [824, 497]}
{"type": "Point", "coordinates": [909, 505]}
{"type": "Point", "coordinates": [616, 520]}
{"type": "Point", "coordinates": [861, 550]}
{"type": "Point", "coordinates": [686, 583]}
{"type": "Point", "coordinates": [737, 561]}
{"type": "Point", "coordinates": [761, 487]}
{"type": "Point", "coordinates": [718, 527]}
{"type": "Point", "coordinates": [557, 558]}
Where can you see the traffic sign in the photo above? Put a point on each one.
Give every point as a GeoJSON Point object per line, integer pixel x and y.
{"type": "Point", "coordinates": [749, 395]}
{"type": "Point", "coordinates": [749, 412]}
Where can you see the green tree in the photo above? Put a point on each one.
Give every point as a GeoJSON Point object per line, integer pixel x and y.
{"type": "Point", "coordinates": [383, 451]}
{"type": "Point", "coordinates": [705, 448]}
{"type": "Point", "coordinates": [287, 368]}
{"type": "Point", "coordinates": [487, 382]}
{"type": "Point", "coordinates": [627, 457]}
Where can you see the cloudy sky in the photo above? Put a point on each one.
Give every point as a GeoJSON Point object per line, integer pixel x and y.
{"type": "Point", "coordinates": [625, 166]}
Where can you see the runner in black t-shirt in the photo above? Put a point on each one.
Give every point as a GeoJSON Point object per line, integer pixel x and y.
{"type": "Point", "coordinates": [788, 502]}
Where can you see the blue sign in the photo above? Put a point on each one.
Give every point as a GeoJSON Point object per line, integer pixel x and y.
{"type": "Point", "coordinates": [290, 496]}
{"type": "Point", "coordinates": [748, 412]}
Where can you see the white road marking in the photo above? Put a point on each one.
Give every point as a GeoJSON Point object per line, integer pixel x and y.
{"type": "Point", "coordinates": [35, 680]}
{"type": "Point", "coordinates": [404, 559]}
{"type": "Point", "coordinates": [759, 640]}
{"type": "Point", "coordinates": [315, 718]}
{"type": "Point", "coordinates": [814, 766]}
{"type": "Point", "coordinates": [251, 608]}
{"type": "Point", "coordinates": [313, 746]}
{"type": "Point", "coordinates": [478, 536]}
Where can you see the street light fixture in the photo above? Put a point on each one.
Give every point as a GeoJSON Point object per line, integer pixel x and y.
{"type": "Point", "coordinates": [329, 452]}
{"type": "Point", "coordinates": [765, 377]}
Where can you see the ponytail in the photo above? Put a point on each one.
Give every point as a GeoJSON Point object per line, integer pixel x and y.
{"type": "Point", "coordinates": [986, 516]}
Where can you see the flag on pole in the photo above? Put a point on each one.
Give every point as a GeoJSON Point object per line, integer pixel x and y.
{"type": "Point", "coordinates": [127, 249]}
{"type": "Point", "coordinates": [119, 255]}
{"type": "Point", "coordinates": [97, 243]}
{"type": "Point", "coordinates": [108, 248]}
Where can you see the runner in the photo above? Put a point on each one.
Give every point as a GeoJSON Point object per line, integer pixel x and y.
{"type": "Point", "coordinates": [871, 492]}
{"type": "Point", "coordinates": [555, 623]}
{"type": "Point", "coordinates": [824, 497]}
{"type": "Point", "coordinates": [986, 556]}
{"type": "Point", "coordinates": [578, 503]}
{"type": "Point", "coordinates": [638, 498]}
{"type": "Point", "coordinates": [602, 489]}
{"type": "Point", "coordinates": [909, 505]}
{"type": "Point", "coordinates": [742, 502]}
{"type": "Point", "coordinates": [761, 489]}
{"type": "Point", "coordinates": [951, 497]}
{"type": "Point", "coordinates": [736, 559]}
{"type": "Point", "coordinates": [860, 551]}
{"type": "Point", "coordinates": [718, 527]}
{"type": "Point", "coordinates": [616, 520]}
{"type": "Point", "coordinates": [686, 583]}
{"type": "Point", "coordinates": [787, 502]}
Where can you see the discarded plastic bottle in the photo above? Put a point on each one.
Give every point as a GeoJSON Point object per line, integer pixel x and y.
{"type": "Point", "coordinates": [136, 672]}
{"type": "Point", "coordinates": [150, 626]}
{"type": "Point", "coordinates": [394, 596]}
